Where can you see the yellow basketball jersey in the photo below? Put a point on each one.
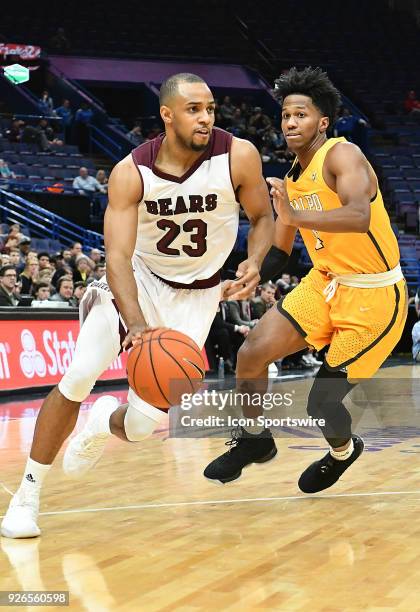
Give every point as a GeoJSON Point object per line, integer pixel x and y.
{"type": "Point", "coordinates": [341, 253]}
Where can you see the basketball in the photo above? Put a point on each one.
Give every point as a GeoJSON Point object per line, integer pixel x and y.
{"type": "Point", "coordinates": [163, 366]}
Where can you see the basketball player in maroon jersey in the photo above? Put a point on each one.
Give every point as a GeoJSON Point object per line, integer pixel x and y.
{"type": "Point", "coordinates": [170, 224]}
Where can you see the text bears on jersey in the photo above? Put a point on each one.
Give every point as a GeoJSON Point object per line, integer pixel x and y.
{"type": "Point", "coordinates": [170, 206]}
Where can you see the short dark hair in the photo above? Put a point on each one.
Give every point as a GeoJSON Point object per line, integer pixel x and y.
{"type": "Point", "coordinates": [170, 86]}
{"type": "Point", "coordinates": [311, 82]}
{"type": "Point", "coordinates": [38, 286]}
{"type": "Point", "coordinates": [44, 254]}
{"type": "Point", "coordinates": [267, 285]}
{"type": "Point", "coordinates": [6, 268]}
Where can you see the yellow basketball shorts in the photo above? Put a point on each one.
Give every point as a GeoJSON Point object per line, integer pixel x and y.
{"type": "Point", "coordinates": [361, 326]}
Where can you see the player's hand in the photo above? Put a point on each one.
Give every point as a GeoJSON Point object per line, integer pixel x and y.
{"type": "Point", "coordinates": [281, 201]}
{"type": "Point", "coordinates": [247, 279]}
{"type": "Point", "coordinates": [135, 334]}
{"type": "Point", "coordinates": [225, 287]}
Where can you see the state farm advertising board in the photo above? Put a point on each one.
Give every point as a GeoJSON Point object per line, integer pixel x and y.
{"type": "Point", "coordinates": [36, 353]}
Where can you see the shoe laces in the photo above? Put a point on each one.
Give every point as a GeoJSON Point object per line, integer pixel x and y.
{"type": "Point", "coordinates": [90, 446]}
{"type": "Point", "coordinates": [236, 438]}
{"type": "Point", "coordinates": [28, 498]}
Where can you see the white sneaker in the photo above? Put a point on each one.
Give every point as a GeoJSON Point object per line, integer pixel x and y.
{"type": "Point", "coordinates": [21, 517]}
{"type": "Point", "coordinates": [85, 449]}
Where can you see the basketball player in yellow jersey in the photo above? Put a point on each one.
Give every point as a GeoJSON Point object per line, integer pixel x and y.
{"type": "Point", "coordinates": [354, 300]}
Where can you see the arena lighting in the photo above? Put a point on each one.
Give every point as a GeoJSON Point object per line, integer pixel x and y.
{"type": "Point", "coordinates": [16, 74]}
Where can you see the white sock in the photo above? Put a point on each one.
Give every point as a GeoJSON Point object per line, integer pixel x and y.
{"type": "Point", "coordinates": [33, 475]}
{"type": "Point", "coordinates": [254, 429]}
{"type": "Point", "coordinates": [344, 454]}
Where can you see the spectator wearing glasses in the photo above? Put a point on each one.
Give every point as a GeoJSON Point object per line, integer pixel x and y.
{"type": "Point", "coordinates": [8, 279]}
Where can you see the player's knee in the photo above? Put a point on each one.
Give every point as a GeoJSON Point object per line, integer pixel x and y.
{"type": "Point", "coordinates": [253, 353]}
{"type": "Point", "coordinates": [138, 425]}
{"type": "Point", "coordinates": [76, 384]}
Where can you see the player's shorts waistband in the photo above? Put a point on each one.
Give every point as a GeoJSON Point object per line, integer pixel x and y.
{"type": "Point", "coordinates": [205, 283]}
{"type": "Point", "coordinates": [363, 281]}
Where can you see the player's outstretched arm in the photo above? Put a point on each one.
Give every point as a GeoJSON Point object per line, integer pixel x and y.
{"type": "Point", "coordinates": [120, 229]}
{"type": "Point", "coordinates": [346, 170]}
{"type": "Point", "coordinates": [253, 194]}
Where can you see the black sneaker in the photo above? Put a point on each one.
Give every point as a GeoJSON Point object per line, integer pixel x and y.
{"type": "Point", "coordinates": [245, 449]}
{"type": "Point", "coordinates": [324, 473]}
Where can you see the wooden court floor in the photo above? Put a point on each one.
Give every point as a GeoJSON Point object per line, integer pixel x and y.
{"type": "Point", "coordinates": [146, 532]}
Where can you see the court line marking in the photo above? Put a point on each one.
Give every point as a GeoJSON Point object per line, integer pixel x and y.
{"type": "Point", "coordinates": [227, 501]}
{"type": "Point", "coordinates": [6, 489]}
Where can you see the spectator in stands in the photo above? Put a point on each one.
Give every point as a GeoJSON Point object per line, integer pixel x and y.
{"type": "Point", "coordinates": [14, 256]}
{"type": "Point", "coordinates": [62, 268]}
{"type": "Point", "coordinates": [16, 230]}
{"type": "Point", "coordinates": [253, 136]}
{"type": "Point", "coordinates": [284, 284]}
{"type": "Point", "coordinates": [42, 134]}
{"type": "Point", "coordinates": [64, 291]}
{"type": "Point", "coordinates": [78, 293]}
{"type": "Point", "coordinates": [240, 313]}
{"type": "Point", "coordinates": [96, 256]}
{"type": "Point", "coordinates": [245, 110]}
{"type": "Point", "coordinates": [44, 260]}
{"type": "Point", "coordinates": [65, 113]}
{"type": "Point", "coordinates": [70, 255]}
{"type": "Point", "coordinates": [41, 291]}
{"type": "Point", "coordinates": [346, 125]}
{"type": "Point", "coordinates": [274, 140]}
{"type": "Point", "coordinates": [15, 132]}
{"type": "Point", "coordinates": [24, 245]}
{"type": "Point", "coordinates": [13, 237]}
{"type": "Point", "coordinates": [219, 339]}
{"type": "Point", "coordinates": [59, 42]}
{"type": "Point", "coordinates": [267, 155]}
{"type": "Point", "coordinates": [5, 172]}
{"type": "Point", "coordinates": [45, 128]}
{"type": "Point", "coordinates": [238, 124]}
{"type": "Point", "coordinates": [46, 104]}
{"type": "Point", "coordinates": [416, 341]}
{"type": "Point", "coordinates": [98, 272]}
{"type": "Point", "coordinates": [135, 136]}
{"type": "Point", "coordinates": [86, 184]}
{"type": "Point", "coordinates": [227, 111]}
{"type": "Point", "coordinates": [67, 254]}
{"type": "Point", "coordinates": [45, 275]}
{"type": "Point", "coordinates": [102, 179]}
{"type": "Point", "coordinates": [259, 120]}
{"type": "Point", "coordinates": [411, 104]}
{"type": "Point", "coordinates": [10, 242]}
{"type": "Point", "coordinates": [5, 259]}
{"type": "Point", "coordinates": [8, 278]}
{"type": "Point", "coordinates": [29, 276]}
{"type": "Point", "coordinates": [83, 270]}
{"type": "Point", "coordinates": [262, 303]}
{"type": "Point", "coordinates": [82, 121]}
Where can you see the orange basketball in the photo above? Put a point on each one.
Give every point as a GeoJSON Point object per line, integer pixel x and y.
{"type": "Point", "coordinates": [164, 365]}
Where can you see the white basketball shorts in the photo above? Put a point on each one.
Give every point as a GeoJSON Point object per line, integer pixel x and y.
{"type": "Point", "coordinates": [190, 311]}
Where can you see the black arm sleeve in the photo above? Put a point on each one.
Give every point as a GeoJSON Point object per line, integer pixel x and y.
{"type": "Point", "coordinates": [274, 263]}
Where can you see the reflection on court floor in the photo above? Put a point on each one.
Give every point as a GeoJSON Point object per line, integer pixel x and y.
{"type": "Point", "coordinates": [145, 530]}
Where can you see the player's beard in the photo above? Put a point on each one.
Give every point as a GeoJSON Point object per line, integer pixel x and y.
{"type": "Point", "coordinates": [190, 144]}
